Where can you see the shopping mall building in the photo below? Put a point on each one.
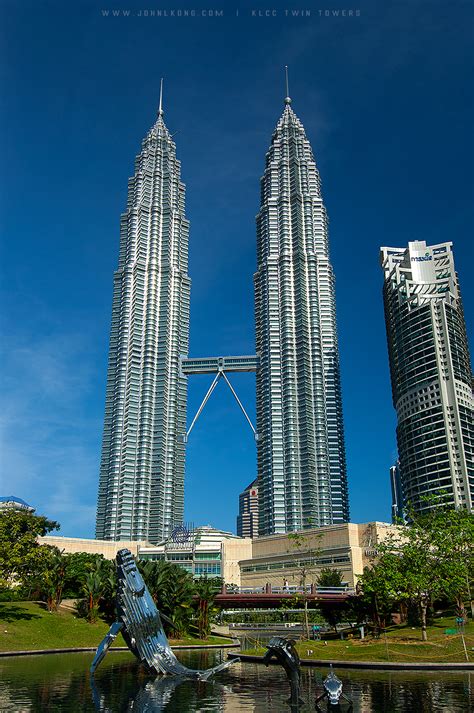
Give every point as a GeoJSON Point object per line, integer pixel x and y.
{"type": "Point", "coordinates": [246, 562]}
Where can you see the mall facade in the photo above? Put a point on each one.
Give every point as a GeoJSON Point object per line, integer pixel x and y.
{"type": "Point", "coordinates": [247, 562]}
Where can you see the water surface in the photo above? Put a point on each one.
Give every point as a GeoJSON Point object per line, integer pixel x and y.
{"type": "Point", "coordinates": [61, 683]}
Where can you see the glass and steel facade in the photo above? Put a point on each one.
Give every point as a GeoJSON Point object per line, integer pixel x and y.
{"type": "Point", "coordinates": [430, 372]}
{"type": "Point", "coordinates": [202, 554]}
{"type": "Point", "coordinates": [301, 453]}
{"type": "Point", "coordinates": [212, 365]}
{"type": "Point", "coordinates": [247, 519]}
{"type": "Point", "coordinates": [141, 484]}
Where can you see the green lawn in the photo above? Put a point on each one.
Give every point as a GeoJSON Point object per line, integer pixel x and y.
{"type": "Point", "coordinates": [401, 644]}
{"type": "Point", "coordinates": [28, 626]}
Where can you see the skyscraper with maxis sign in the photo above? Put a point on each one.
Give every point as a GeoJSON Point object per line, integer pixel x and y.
{"type": "Point", "coordinates": [431, 374]}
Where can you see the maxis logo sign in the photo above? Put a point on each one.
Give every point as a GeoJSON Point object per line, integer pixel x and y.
{"type": "Point", "coordinates": [422, 258]}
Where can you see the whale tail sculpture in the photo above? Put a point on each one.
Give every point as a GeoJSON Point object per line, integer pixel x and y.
{"type": "Point", "coordinates": [140, 623]}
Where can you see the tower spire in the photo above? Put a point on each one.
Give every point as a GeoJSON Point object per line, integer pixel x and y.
{"type": "Point", "coordinates": [287, 98]}
{"type": "Point", "coordinates": [160, 109]}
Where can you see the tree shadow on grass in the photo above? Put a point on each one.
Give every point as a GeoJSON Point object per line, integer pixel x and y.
{"type": "Point", "coordinates": [11, 612]}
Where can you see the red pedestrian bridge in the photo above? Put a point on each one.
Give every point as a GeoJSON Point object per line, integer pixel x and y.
{"type": "Point", "coordinates": [271, 597]}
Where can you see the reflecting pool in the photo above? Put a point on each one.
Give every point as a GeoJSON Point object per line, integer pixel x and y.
{"type": "Point", "coordinates": [61, 683]}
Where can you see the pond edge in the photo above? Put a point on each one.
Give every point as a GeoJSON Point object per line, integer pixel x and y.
{"type": "Point", "coordinates": [384, 665]}
{"type": "Point", "coordinates": [85, 649]}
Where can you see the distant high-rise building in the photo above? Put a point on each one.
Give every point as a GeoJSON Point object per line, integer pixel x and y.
{"type": "Point", "coordinates": [301, 453]}
{"type": "Point", "coordinates": [430, 372]}
{"type": "Point", "coordinates": [397, 493]}
{"type": "Point", "coordinates": [142, 466]}
{"type": "Point", "coordinates": [247, 519]}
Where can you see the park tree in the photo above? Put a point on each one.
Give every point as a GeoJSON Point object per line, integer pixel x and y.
{"type": "Point", "coordinates": [329, 577]}
{"type": "Point", "coordinates": [332, 612]}
{"type": "Point", "coordinates": [407, 569]}
{"type": "Point", "coordinates": [179, 599]}
{"type": "Point", "coordinates": [93, 590]}
{"type": "Point", "coordinates": [19, 548]}
{"type": "Point", "coordinates": [417, 576]}
{"type": "Point", "coordinates": [379, 589]}
{"type": "Point", "coordinates": [451, 535]}
{"type": "Point", "coordinates": [205, 590]}
{"type": "Point", "coordinates": [430, 559]}
{"type": "Point", "coordinates": [154, 573]}
{"type": "Point", "coordinates": [107, 603]}
{"type": "Point", "coordinates": [78, 566]}
{"type": "Point", "coordinates": [98, 589]}
{"type": "Point", "coordinates": [172, 590]}
{"type": "Point", "coordinates": [48, 575]}
{"type": "Point", "coordinates": [305, 551]}
{"type": "Point", "coordinates": [288, 604]}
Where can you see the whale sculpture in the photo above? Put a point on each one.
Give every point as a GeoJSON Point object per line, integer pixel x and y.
{"type": "Point", "coordinates": [141, 626]}
{"type": "Point", "coordinates": [283, 650]}
{"type": "Point", "coordinates": [332, 686]}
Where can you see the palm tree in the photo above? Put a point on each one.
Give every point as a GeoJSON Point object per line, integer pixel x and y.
{"type": "Point", "coordinates": [155, 574]}
{"type": "Point", "coordinates": [93, 588]}
{"type": "Point", "coordinates": [109, 596]}
{"type": "Point", "coordinates": [206, 590]}
{"type": "Point", "coordinates": [172, 590]}
{"type": "Point", "coordinates": [50, 576]}
{"type": "Point", "coordinates": [99, 583]}
{"type": "Point", "coordinates": [177, 598]}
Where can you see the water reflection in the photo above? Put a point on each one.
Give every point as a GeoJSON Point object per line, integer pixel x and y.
{"type": "Point", "coordinates": [158, 693]}
{"type": "Point", "coordinates": [61, 683]}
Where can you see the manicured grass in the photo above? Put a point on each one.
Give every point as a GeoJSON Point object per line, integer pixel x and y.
{"type": "Point", "coordinates": [401, 644]}
{"type": "Point", "coordinates": [28, 626]}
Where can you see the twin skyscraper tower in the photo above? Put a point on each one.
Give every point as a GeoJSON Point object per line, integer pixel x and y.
{"type": "Point", "coordinates": [301, 464]}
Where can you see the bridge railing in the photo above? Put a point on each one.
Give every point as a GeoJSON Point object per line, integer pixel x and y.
{"type": "Point", "coordinates": [269, 626]}
{"type": "Point", "coordinates": [290, 589]}
{"type": "Point", "coordinates": [311, 589]}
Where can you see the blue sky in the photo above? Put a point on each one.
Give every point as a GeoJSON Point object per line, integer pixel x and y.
{"type": "Point", "coordinates": [386, 100]}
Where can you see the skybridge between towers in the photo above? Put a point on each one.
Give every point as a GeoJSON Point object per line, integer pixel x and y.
{"type": "Point", "coordinates": [220, 367]}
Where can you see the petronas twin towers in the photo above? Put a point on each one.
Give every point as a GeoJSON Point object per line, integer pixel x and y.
{"type": "Point", "coordinates": [300, 440]}
{"type": "Point", "coordinates": [301, 455]}
{"type": "Point", "coordinates": [141, 486]}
